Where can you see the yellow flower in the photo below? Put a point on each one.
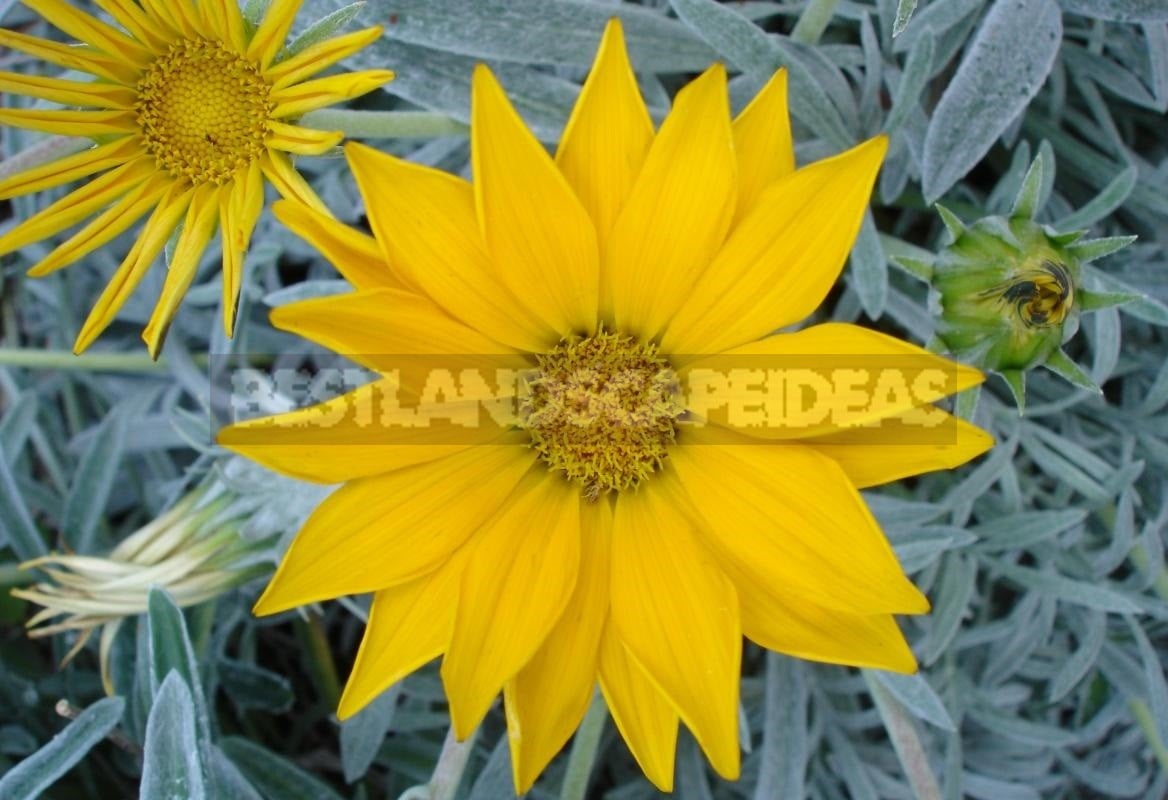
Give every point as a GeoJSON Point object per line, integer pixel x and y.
{"type": "Point", "coordinates": [599, 539]}
{"type": "Point", "coordinates": [193, 111]}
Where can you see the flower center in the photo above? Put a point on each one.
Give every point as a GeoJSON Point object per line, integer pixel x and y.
{"type": "Point", "coordinates": [603, 410]}
{"type": "Point", "coordinates": [203, 111]}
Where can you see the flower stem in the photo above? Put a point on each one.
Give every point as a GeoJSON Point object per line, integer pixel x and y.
{"type": "Point", "coordinates": [320, 658]}
{"type": "Point", "coordinates": [1147, 725]}
{"type": "Point", "coordinates": [447, 772]}
{"type": "Point", "coordinates": [584, 748]}
{"type": "Point", "coordinates": [385, 124]}
{"type": "Point", "coordinates": [89, 362]}
{"type": "Point", "coordinates": [813, 21]}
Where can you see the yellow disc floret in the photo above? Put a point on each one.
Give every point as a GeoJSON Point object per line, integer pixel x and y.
{"type": "Point", "coordinates": [204, 111]}
{"type": "Point", "coordinates": [603, 410]}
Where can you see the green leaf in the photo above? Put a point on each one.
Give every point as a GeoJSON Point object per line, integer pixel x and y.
{"type": "Point", "coordinates": [273, 775]}
{"type": "Point", "coordinates": [1016, 381]}
{"type": "Point", "coordinates": [1088, 300]}
{"type": "Point", "coordinates": [323, 28]}
{"type": "Point", "coordinates": [749, 48]}
{"type": "Point", "coordinates": [96, 475]}
{"type": "Point", "coordinates": [953, 224]}
{"type": "Point", "coordinates": [171, 767]}
{"type": "Point", "coordinates": [1003, 69]}
{"type": "Point", "coordinates": [1094, 249]}
{"type": "Point", "coordinates": [1061, 364]}
{"type": "Point", "coordinates": [1030, 197]}
{"type": "Point", "coordinates": [363, 733]}
{"type": "Point", "coordinates": [32, 776]}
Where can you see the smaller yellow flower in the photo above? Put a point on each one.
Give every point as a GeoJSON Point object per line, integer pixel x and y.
{"type": "Point", "coordinates": [192, 111]}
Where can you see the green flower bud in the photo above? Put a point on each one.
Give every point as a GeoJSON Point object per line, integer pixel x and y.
{"type": "Point", "coordinates": [1008, 294]}
{"type": "Point", "coordinates": [1010, 288]}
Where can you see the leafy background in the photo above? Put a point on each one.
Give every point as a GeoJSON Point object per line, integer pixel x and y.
{"type": "Point", "coordinates": [1042, 671]}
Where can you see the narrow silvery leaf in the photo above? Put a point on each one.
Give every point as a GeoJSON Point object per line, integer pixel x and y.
{"type": "Point", "coordinates": [917, 696]}
{"type": "Point", "coordinates": [494, 781]}
{"type": "Point", "coordinates": [1090, 635]}
{"type": "Point", "coordinates": [949, 607]}
{"type": "Point", "coordinates": [171, 767]}
{"type": "Point", "coordinates": [16, 525]}
{"type": "Point", "coordinates": [545, 32]}
{"type": "Point", "coordinates": [1120, 10]}
{"type": "Point", "coordinates": [32, 776]}
{"type": "Point", "coordinates": [323, 28]}
{"type": "Point", "coordinates": [17, 424]}
{"type": "Point", "coordinates": [905, 739]}
{"type": "Point", "coordinates": [228, 780]}
{"type": "Point", "coordinates": [783, 756]}
{"type": "Point", "coordinates": [870, 269]}
{"type": "Point", "coordinates": [917, 69]}
{"type": "Point", "coordinates": [1004, 68]}
{"type": "Point", "coordinates": [96, 474]}
{"type": "Point", "coordinates": [363, 733]}
{"type": "Point", "coordinates": [904, 12]}
{"type": "Point", "coordinates": [1104, 203]}
{"type": "Point", "coordinates": [273, 775]}
{"type": "Point", "coordinates": [1068, 590]}
{"type": "Point", "coordinates": [170, 649]}
{"type": "Point", "coordinates": [750, 49]}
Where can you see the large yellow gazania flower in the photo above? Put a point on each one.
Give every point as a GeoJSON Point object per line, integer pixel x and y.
{"type": "Point", "coordinates": [540, 560]}
{"type": "Point", "coordinates": [193, 110]}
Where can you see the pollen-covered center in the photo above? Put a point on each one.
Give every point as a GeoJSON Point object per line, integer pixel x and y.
{"type": "Point", "coordinates": [603, 410]}
{"type": "Point", "coordinates": [203, 111]}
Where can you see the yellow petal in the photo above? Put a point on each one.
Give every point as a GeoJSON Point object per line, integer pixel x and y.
{"type": "Point", "coordinates": [541, 240]}
{"type": "Point", "coordinates": [678, 211]}
{"type": "Point", "coordinates": [300, 98]}
{"type": "Point", "coordinates": [647, 721]}
{"type": "Point", "coordinates": [272, 33]}
{"type": "Point", "coordinates": [130, 208]}
{"type": "Point", "coordinates": [196, 233]}
{"type": "Point", "coordinates": [547, 699]}
{"type": "Point", "coordinates": [380, 531]}
{"type": "Point", "coordinates": [425, 221]}
{"type": "Point", "coordinates": [869, 457]}
{"type": "Point", "coordinates": [224, 18]}
{"type": "Point", "coordinates": [98, 193]}
{"type": "Point", "coordinates": [163, 16]}
{"type": "Point", "coordinates": [70, 168]}
{"type": "Point", "coordinates": [69, 93]}
{"type": "Point", "coordinates": [781, 620]}
{"type": "Point", "coordinates": [677, 614]}
{"type": "Point", "coordinates": [380, 326]}
{"type": "Point", "coordinates": [188, 17]}
{"type": "Point", "coordinates": [409, 625]}
{"type": "Point", "coordinates": [785, 514]}
{"type": "Point", "coordinates": [517, 581]}
{"type": "Point", "coordinates": [355, 255]}
{"type": "Point", "coordinates": [130, 16]}
{"type": "Point", "coordinates": [762, 142]}
{"type": "Point", "coordinates": [81, 58]}
{"type": "Point", "coordinates": [279, 170]}
{"type": "Point", "coordinates": [349, 437]}
{"type": "Point", "coordinates": [782, 258]}
{"type": "Point", "coordinates": [238, 214]}
{"type": "Point", "coordinates": [608, 134]}
{"type": "Point", "coordinates": [93, 124]}
{"type": "Point", "coordinates": [150, 242]}
{"type": "Point", "coordinates": [320, 56]}
{"type": "Point", "coordinates": [854, 377]}
{"type": "Point", "coordinates": [80, 25]}
{"type": "Point", "coordinates": [302, 141]}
